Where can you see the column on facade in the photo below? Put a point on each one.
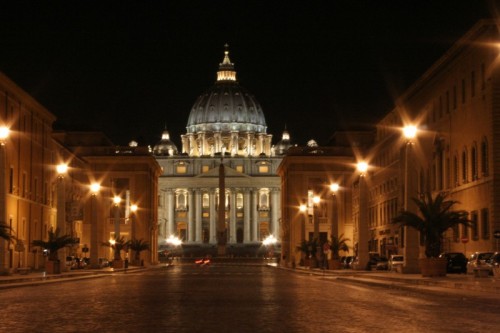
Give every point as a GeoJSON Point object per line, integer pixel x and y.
{"type": "Point", "coordinates": [249, 144]}
{"type": "Point", "coordinates": [203, 148]}
{"type": "Point", "coordinates": [217, 142]}
{"type": "Point", "coordinates": [198, 212]}
{"type": "Point", "coordinates": [260, 149]}
{"type": "Point", "coordinates": [255, 215]}
{"type": "Point", "coordinates": [193, 147]}
{"type": "Point", "coordinates": [170, 223]}
{"type": "Point", "coordinates": [275, 212]}
{"type": "Point", "coordinates": [232, 217]}
{"type": "Point", "coordinates": [185, 143]}
{"type": "Point", "coordinates": [246, 216]}
{"type": "Point", "coordinates": [191, 226]}
{"type": "Point", "coordinates": [213, 235]}
{"type": "Point", "coordinates": [234, 143]}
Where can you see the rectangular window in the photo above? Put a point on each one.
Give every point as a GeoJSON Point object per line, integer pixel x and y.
{"type": "Point", "coordinates": [483, 77]}
{"type": "Point", "coordinates": [456, 236]}
{"type": "Point", "coordinates": [447, 101]}
{"type": "Point", "coordinates": [11, 180]}
{"type": "Point", "coordinates": [263, 168]}
{"type": "Point", "coordinates": [239, 168]}
{"type": "Point", "coordinates": [454, 97]}
{"type": "Point", "coordinates": [205, 168]}
{"type": "Point", "coordinates": [485, 223]}
{"type": "Point", "coordinates": [463, 91]}
{"type": "Point", "coordinates": [465, 231]}
{"type": "Point", "coordinates": [181, 169]}
{"type": "Point", "coordinates": [473, 84]}
{"type": "Point", "coordinates": [474, 226]}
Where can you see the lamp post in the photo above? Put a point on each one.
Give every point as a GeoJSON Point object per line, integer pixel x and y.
{"type": "Point", "coordinates": [4, 135]}
{"type": "Point", "coordinates": [133, 210]}
{"type": "Point", "coordinates": [334, 188]}
{"type": "Point", "coordinates": [363, 256]}
{"type": "Point", "coordinates": [410, 241]}
{"type": "Point", "coordinates": [116, 201]}
{"type": "Point", "coordinates": [94, 228]}
{"type": "Point", "coordinates": [61, 169]}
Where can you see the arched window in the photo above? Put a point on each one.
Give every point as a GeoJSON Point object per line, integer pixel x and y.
{"type": "Point", "coordinates": [206, 200]}
{"type": "Point", "coordinates": [455, 170]}
{"type": "Point", "coordinates": [473, 162]}
{"type": "Point", "coordinates": [465, 165]}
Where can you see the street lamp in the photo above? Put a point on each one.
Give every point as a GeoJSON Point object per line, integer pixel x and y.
{"type": "Point", "coordinates": [133, 210]}
{"type": "Point", "coordinates": [116, 201]}
{"type": "Point", "coordinates": [4, 135]}
{"type": "Point", "coordinates": [303, 210]}
{"type": "Point", "coordinates": [334, 188]}
{"type": "Point", "coordinates": [410, 237]}
{"type": "Point", "coordinates": [61, 169]}
{"type": "Point", "coordinates": [362, 222]}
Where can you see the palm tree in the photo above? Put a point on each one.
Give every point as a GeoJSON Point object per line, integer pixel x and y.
{"type": "Point", "coordinates": [6, 232]}
{"type": "Point", "coordinates": [118, 244]}
{"type": "Point", "coordinates": [434, 218]}
{"type": "Point", "coordinates": [338, 244]}
{"type": "Point", "coordinates": [138, 245]}
{"type": "Point", "coordinates": [54, 243]}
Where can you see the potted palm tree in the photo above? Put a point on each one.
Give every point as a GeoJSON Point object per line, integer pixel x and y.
{"type": "Point", "coordinates": [54, 243]}
{"type": "Point", "coordinates": [434, 217]}
{"type": "Point", "coordinates": [308, 248]}
{"type": "Point", "coordinates": [6, 234]}
{"type": "Point", "coordinates": [138, 245]}
{"type": "Point", "coordinates": [118, 244]}
{"type": "Point", "coordinates": [337, 244]}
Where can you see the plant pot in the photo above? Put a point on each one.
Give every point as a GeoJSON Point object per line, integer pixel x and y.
{"type": "Point", "coordinates": [53, 267]}
{"type": "Point", "coordinates": [496, 272]}
{"type": "Point", "coordinates": [118, 263]}
{"type": "Point", "coordinates": [334, 264]}
{"type": "Point", "coordinates": [307, 262]}
{"type": "Point", "coordinates": [432, 267]}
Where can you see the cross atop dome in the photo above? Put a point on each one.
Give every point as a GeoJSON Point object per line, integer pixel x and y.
{"type": "Point", "coordinates": [226, 68]}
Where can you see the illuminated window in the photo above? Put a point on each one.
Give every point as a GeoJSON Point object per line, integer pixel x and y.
{"type": "Point", "coordinates": [206, 201]}
{"type": "Point", "coordinates": [205, 168]}
{"type": "Point", "coordinates": [239, 168]}
{"type": "Point", "coordinates": [263, 168]}
{"type": "Point", "coordinates": [181, 168]}
{"type": "Point", "coordinates": [239, 200]}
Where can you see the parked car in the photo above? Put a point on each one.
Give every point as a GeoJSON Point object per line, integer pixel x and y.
{"type": "Point", "coordinates": [479, 259]}
{"type": "Point", "coordinates": [103, 262]}
{"type": "Point", "coordinates": [457, 262]}
{"type": "Point", "coordinates": [71, 262]}
{"type": "Point", "coordinates": [395, 261]}
{"type": "Point", "coordinates": [382, 264]}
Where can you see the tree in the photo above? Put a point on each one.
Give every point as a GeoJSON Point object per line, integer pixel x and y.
{"type": "Point", "coordinates": [6, 232]}
{"type": "Point", "coordinates": [118, 244]}
{"type": "Point", "coordinates": [338, 244]}
{"type": "Point", "coordinates": [309, 248]}
{"type": "Point", "coordinates": [138, 245]}
{"type": "Point", "coordinates": [435, 216]}
{"type": "Point", "coordinates": [54, 243]}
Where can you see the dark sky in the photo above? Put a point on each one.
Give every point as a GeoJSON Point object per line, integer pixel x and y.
{"type": "Point", "coordinates": [129, 68]}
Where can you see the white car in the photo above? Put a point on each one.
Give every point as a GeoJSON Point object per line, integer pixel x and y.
{"type": "Point", "coordinates": [396, 260]}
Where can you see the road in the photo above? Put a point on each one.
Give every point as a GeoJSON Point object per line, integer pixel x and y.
{"type": "Point", "coordinates": [231, 298]}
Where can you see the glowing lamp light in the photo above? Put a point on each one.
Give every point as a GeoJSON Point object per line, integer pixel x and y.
{"type": "Point", "coordinates": [4, 133]}
{"type": "Point", "coordinates": [316, 199]}
{"type": "Point", "coordinates": [133, 208]}
{"type": "Point", "coordinates": [303, 208]}
{"type": "Point", "coordinates": [62, 168]}
{"type": "Point", "coordinates": [112, 242]}
{"type": "Point", "coordinates": [117, 200]}
{"type": "Point", "coordinates": [334, 187]}
{"type": "Point", "coordinates": [269, 240]}
{"type": "Point", "coordinates": [362, 167]}
{"type": "Point", "coordinates": [173, 240]}
{"type": "Point", "coordinates": [410, 132]}
{"type": "Point", "coordinates": [95, 187]}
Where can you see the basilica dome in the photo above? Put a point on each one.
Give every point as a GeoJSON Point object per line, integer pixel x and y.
{"type": "Point", "coordinates": [226, 106]}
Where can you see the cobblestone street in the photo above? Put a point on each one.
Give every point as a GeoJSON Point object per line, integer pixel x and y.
{"type": "Point", "coordinates": [232, 298]}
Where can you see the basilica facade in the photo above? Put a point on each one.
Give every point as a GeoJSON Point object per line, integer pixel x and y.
{"type": "Point", "coordinates": [226, 126]}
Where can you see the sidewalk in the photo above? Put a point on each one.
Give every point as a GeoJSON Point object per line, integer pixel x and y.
{"type": "Point", "coordinates": [40, 277]}
{"type": "Point", "coordinates": [461, 283]}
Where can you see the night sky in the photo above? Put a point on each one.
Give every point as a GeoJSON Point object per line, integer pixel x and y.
{"type": "Point", "coordinates": [130, 68]}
